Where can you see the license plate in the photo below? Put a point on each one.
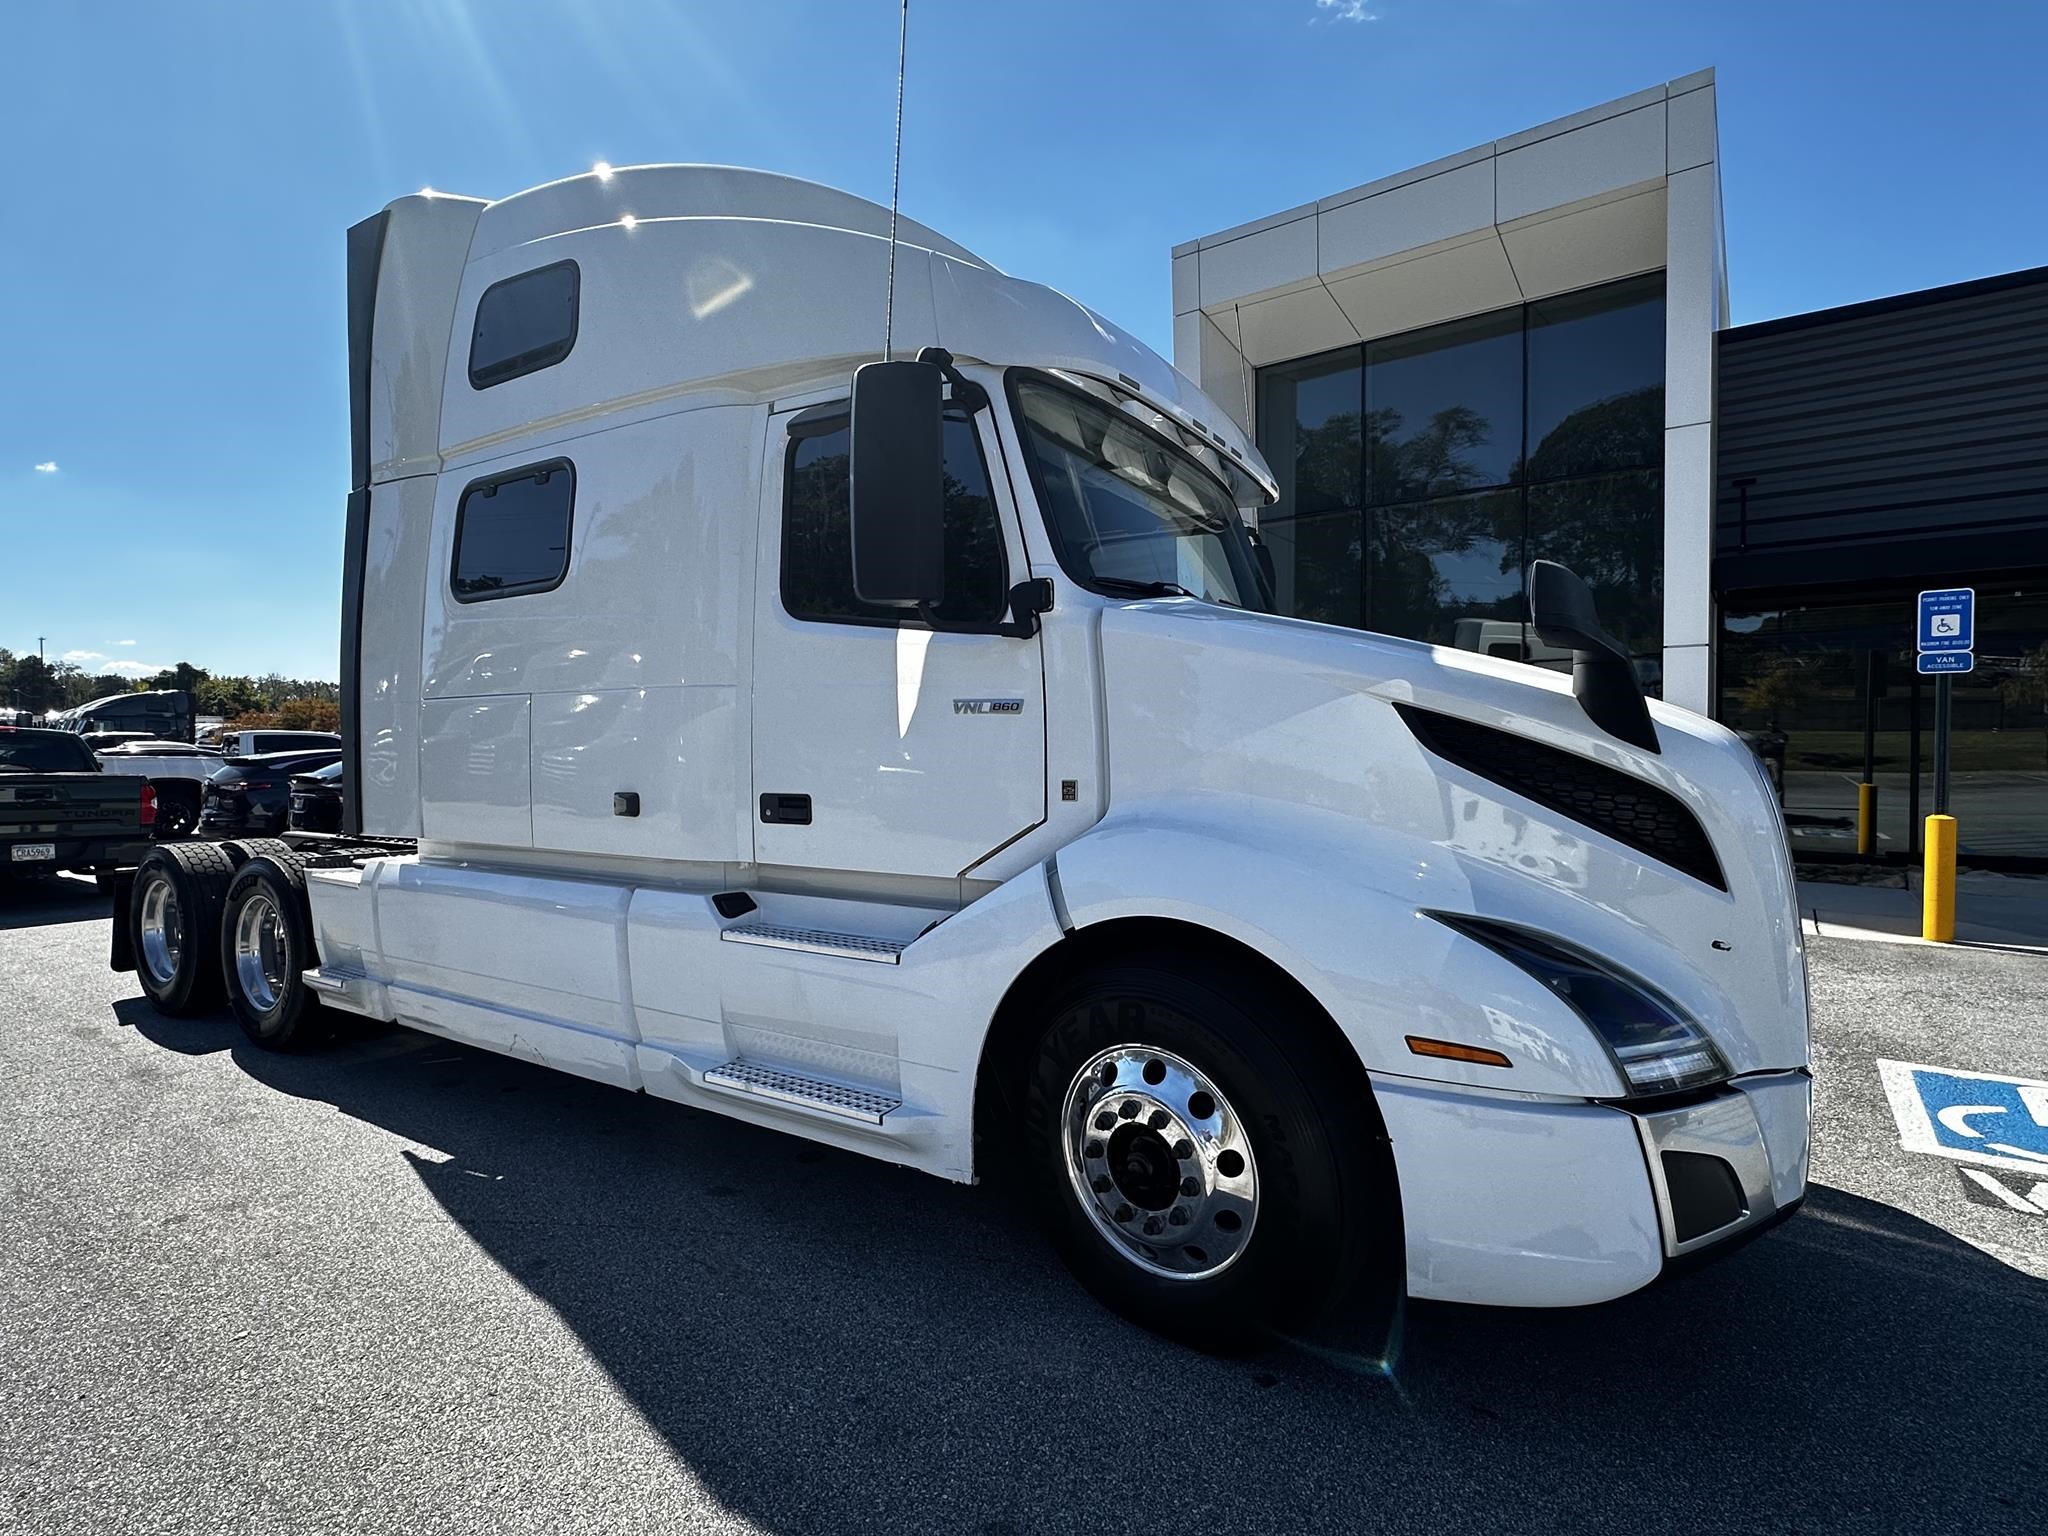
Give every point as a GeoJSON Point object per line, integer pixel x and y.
{"type": "Point", "coordinates": [25, 853]}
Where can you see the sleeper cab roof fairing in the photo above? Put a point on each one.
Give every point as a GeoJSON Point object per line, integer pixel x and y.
{"type": "Point", "coordinates": [981, 312]}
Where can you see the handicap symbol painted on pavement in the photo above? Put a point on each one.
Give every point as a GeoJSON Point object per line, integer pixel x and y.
{"type": "Point", "coordinates": [1973, 1117]}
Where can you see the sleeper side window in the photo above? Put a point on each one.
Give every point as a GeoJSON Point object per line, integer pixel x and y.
{"type": "Point", "coordinates": [512, 533]}
{"type": "Point", "coordinates": [817, 530]}
{"type": "Point", "coordinates": [524, 324]}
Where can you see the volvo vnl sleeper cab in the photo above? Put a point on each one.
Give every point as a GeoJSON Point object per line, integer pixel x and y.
{"type": "Point", "coordinates": [893, 750]}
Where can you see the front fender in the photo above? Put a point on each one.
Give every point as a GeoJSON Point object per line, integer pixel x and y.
{"type": "Point", "coordinates": [1340, 908]}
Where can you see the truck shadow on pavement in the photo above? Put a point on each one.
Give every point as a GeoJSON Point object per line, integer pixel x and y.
{"type": "Point", "coordinates": [44, 903]}
{"type": "Point", "coordinates": [831, 1345]}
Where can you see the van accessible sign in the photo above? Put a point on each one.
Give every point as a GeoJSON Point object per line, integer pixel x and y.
{"type": "Point", "coordinates": [1948, 629]}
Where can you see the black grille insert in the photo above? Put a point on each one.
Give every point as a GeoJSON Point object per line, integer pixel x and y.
{"type": "Point", "coordinates": [1705, 1196]}
{"type": "Point", "coordinates": [1648, 819]}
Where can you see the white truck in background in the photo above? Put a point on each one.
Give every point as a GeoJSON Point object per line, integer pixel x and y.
{"type": "Point", "coordinates": [895, 753]}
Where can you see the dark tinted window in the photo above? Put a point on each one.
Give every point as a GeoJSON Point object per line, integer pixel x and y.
{"type": "Point", "coordinates": [1316, 567]}
{"type": "Point", "coordinates": [25, 753]}
{"type": "Point", "coordinates": [1311, 413]}
{"type": "Point", "coordinates": [1419, 473]}
{"type": "Point", "coordinates": [1610, 529]}
{"type": "Point", "coordinates": [1439, 564]}
{"type": "Point", "coordinates": [512, 532]}
{"type": "Point", "coordinates": [817, 531]}
{"type": "Point", "coordinates": [1596, 380]}
{"type": "Point", "coordinates": [523, 324]}
{"type": "Point", "coordinates": [1443, 408]}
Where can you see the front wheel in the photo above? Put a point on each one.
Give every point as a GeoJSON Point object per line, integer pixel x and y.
{"type": "Point", "coordinates": [1196, 1158]}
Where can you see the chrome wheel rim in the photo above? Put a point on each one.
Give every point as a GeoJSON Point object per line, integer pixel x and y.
{"type": "Point", "coordinates": [1160, 1162]}
{"type": "Point", "coordinates": [162, 930]}
{"type": "Point", "coordinates": [262, 952]}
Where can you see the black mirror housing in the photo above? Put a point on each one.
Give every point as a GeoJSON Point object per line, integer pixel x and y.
{"type": "Point", "coordinates": [1563, 614]}
{"type": "Point", "coordinates": [899, 484]}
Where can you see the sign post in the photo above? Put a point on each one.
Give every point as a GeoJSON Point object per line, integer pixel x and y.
{"type": "Point", "coordinates": [1947, 628]}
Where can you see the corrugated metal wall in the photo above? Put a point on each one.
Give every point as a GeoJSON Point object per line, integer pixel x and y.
{"type": "Point", "coordinates": [1903, 439]}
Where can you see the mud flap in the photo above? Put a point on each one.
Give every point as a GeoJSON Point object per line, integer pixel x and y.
{"type": "Point", "coordinates": [121, 948]}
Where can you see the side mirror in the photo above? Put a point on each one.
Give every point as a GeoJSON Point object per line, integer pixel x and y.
{"type": "Point", "coordinates": [1562, 612]}
{"type": "Point", "coordinates": [899, 484]}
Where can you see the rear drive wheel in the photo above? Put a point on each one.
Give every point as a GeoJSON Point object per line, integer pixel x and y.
{"type": "Point", "coordinates": [265, 946]}
{"type": "Point", "coordinates": [1197, 1159]}
{"type": "Point", "coordinates": [174, 920]}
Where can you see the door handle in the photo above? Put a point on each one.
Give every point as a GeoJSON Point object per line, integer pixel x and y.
{"type": "Point", "coordinates": [786, 810]}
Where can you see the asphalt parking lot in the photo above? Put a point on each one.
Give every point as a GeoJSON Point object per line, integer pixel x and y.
{"type": "Point", "coordinates": [402, 1286]}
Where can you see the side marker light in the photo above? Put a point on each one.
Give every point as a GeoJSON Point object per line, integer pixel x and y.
{"type": "Point", "coordinates": [1450, 1050]}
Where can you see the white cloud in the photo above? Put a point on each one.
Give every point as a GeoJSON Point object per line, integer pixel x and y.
{"type": "Point", "coordinates": [120, 642]}
{"type": "Point", "coordinates": [1343, 10]}
{"type": "Point", "coordinates": [47, 467]}
{"type": "Point", "coordinates": [100, 661]}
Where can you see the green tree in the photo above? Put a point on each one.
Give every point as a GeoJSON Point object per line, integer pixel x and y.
{"type": "Point", "coordinates": [184, 675]}
{"type": "Point", "coordinates": [34, 685]}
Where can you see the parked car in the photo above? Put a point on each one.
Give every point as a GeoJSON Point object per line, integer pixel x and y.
{"type": "Point", "coordinates": [253, 794]}
{"type": "Point", "coordinates": [176, 770]}
{"type": "Point", "coordinates": [316, 799]}
{"type": "Point", "coordinates": [59, 812]}
{"type": "Point", "coordinates": [257, 743]}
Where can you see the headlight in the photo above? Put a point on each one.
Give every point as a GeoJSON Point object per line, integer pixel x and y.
{"type": "Point", "coordinates": [1655, 1046]}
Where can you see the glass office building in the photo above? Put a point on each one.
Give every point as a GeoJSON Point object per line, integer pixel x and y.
{"type": "Point", "coordinates": [1521, 352]}
{"type": "Point", "coordinates": [1421, 473]}
{"type": "Point", "coordinates": [1503, 356]}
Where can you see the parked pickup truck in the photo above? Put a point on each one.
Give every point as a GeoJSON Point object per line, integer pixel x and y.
{"type": "Point", "coordinates": [176, 770]}
{"type": "Point", "coordinates": [59, 812]}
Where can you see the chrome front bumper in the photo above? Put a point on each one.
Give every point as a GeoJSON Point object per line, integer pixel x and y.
{"type": "Point", "coordinates": [1726, 1165]}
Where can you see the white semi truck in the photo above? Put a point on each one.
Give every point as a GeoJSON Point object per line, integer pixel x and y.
{"type": "Point", "coordinates": [895, 753]}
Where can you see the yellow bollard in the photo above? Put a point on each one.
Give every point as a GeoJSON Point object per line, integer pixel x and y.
{"type": "Point", "coordinates": [1938, 891]}
{"type": "Point", "coordinates": [1866, 819]}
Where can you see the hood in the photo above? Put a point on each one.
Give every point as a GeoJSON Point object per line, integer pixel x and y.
{"type": "Point", "coordinates": [1476, 786]}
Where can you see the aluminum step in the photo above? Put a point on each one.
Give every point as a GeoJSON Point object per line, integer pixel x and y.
{"type": "Point", "coordinates": [814, 941]}
{"type": "Point", "coordinates": [813, 1093]}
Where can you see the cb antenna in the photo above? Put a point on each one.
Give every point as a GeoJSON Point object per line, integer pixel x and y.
{"type": "Point", "coordinates": [895, 189]}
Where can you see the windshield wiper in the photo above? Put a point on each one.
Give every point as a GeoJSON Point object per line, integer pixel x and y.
{"type": "Point", "coordinates": [1157, 589]}
{"type": "Point", "coordinates": [1141, 588]}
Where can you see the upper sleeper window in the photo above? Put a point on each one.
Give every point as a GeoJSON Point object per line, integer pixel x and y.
{"type": "Point", "coordinates": [524, 324]}
{"type": "Point", "coordinates": [512, 532]}
{"type": "Point", "coordinates": [817, 531]}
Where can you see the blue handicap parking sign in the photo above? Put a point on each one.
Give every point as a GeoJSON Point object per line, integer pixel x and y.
{"type": "Point", "coordinates": [1948, 619]}
{"type": "Point", "coordinates": [1974, 1117]}
{"type": "Point", "coordinates": [1947, 661]}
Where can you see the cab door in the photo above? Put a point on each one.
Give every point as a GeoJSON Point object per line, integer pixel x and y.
{"type": "Point", "coordinates": [883, 745]}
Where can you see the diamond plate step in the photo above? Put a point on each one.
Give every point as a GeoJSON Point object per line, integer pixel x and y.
{"type": "Point", "coordinates": [813, 941]}
{"type": "Point", "coordinates": [813, 1093]}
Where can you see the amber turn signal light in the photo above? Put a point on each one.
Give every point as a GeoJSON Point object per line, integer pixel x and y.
{"type": "Point", "coordinates": [1450, 1050]}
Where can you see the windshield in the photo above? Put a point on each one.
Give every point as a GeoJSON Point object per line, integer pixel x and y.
{"type": "Point", "coordinates": [1129, 512]}
{"type": "Point", "coordinates": [44, 754]}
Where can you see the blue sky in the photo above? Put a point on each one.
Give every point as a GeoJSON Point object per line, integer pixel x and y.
{"type": "Point", "coordinates": [181, 172]}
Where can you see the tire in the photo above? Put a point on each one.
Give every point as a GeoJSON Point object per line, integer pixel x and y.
{"type": "Point", "coordinates": [177, 811]}
{"type": "Point", "coordinates": [174, 920]}
{"type": "Point", "coordinates": [1201, 1164]}
{"type": "Point", "coordinates": [265, 945]}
